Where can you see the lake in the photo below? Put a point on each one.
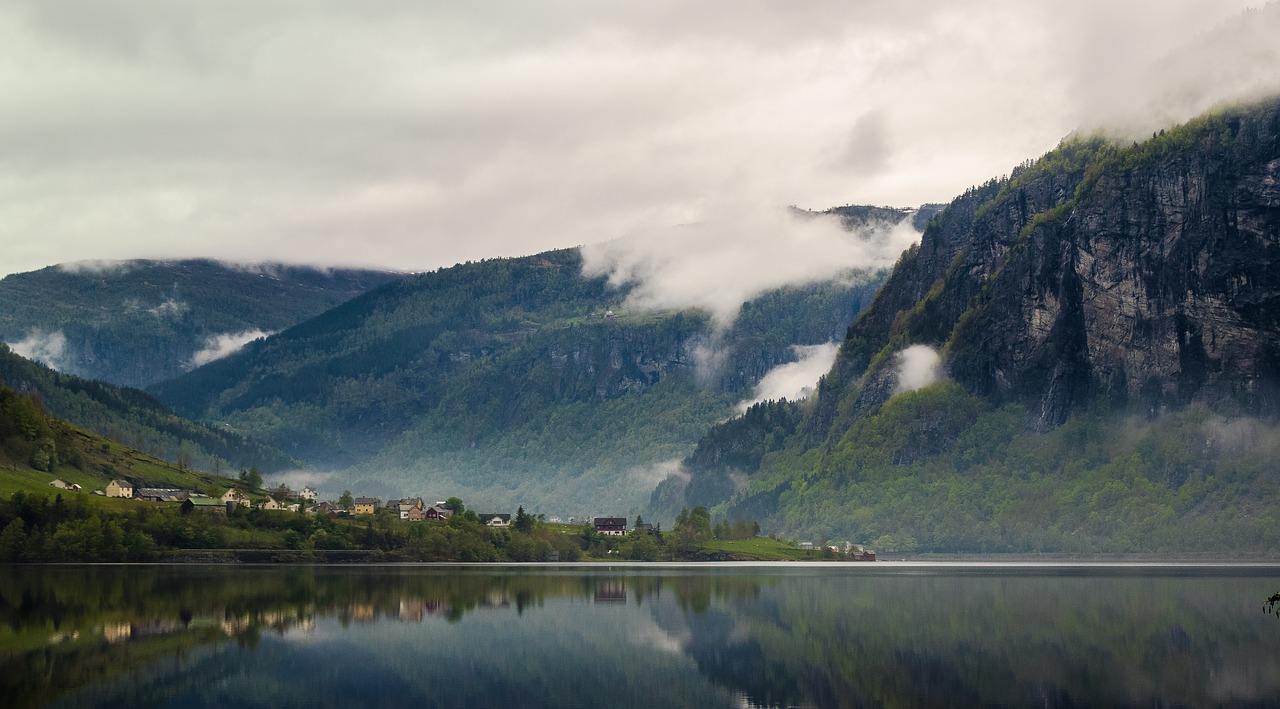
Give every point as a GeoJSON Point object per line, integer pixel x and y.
{"type": "Point", "coordinates": [897, 634]}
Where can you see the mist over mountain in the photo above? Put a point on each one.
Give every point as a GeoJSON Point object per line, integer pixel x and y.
{"type": "Point", "coordinates": [134, 323]}
{"type": "Point", "coordinates": [535, 381]}
{"type": "Point", "coordinates": [1078, 339]}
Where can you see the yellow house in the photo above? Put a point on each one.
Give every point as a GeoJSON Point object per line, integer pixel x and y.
{"type": "Point", "coordinates": [119, 488]}
{"type": "Point", "coordinates": [366, 505]}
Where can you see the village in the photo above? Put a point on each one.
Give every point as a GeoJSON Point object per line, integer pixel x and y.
{"type": "Point", "coordinates": [694, 536]}
{"type": "Point", "coordinates": [306, 501]}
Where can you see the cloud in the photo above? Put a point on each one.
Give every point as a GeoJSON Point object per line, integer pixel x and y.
{"type": "Point", "coordinates": [298, 479]}
{"type": "Point", "coordinates": [1128, 90]}
{"type": "Point", "coordinates": [735, 252]}
{"type": "Point", "coordinates": [795, 380]}
{"type": "Point", "coordinates": [415, 135]}
{"type": "Point", "coordinates": [918, 367]}
{"type": "Point", "coordinates": [219, 346]}
{"type": "Point", "coordinates": [46, 348]}
{"type": "Point", "coordinates": [170, 308]}
{"type": "Point", "coordinates": [868, 150]}
{"type": "Point", "coordinates": [647, 477]}
{"type": "Point", "coordinates": [98, 266]}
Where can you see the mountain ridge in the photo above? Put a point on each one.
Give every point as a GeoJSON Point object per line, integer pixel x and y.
{"type": "Point", "coordinates": [134, 323]}
{"type": "Point", "coordinates": [508, 379]}
{"type": "Point", "coordinates": [1111, 304]}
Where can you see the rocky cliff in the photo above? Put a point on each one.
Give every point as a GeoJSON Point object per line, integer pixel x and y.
{"type": "Point", "coordinates": [1143, 275]}
{"type": "Point", "coordinates": [1105, 317]}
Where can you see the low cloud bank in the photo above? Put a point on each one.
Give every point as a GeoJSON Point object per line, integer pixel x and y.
{"type": "Point", "coordinates": [98, 266]}
{"type": "Point", "coordinates": [47, 348]}
{"type": "Point", "coordinates": [648, 476]}
{"type": "Point", "coordinates": [218, 346]}
{"type": "Point", "coordinates": [298, 479]}
{"type": "Point", "coordinates": [170, 309]}
{"type": "Point", "coordinates": [734, 254]}
{"type": "Point", "coordinates": [918, 366]}
{"type": "Point", "coordinates": [794, 380]}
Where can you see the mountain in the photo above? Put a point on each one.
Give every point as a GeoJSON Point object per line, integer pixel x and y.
{"type": "Point", "coordinates": [1107, 337]}
{"type": "Point", "coordinates": [135, 418]}
{"type": "Point", "coordinates": [134, 323]}
{"type": "Point", "coordinates": [511, 381]}
{"type": "Point", "coordinates": [36, 447]}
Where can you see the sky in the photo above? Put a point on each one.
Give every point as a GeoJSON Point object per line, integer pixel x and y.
{"type": "Point", "coordinates": [412, 135]}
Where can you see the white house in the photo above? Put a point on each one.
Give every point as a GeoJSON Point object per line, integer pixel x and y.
{"type": "Point", "coordinates": [309, 494]}
{"type": "Point", "coordinates": [119, 488]}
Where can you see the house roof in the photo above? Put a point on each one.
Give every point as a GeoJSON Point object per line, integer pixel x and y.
{"type": "Point", "coordinates": [206, 501]}
{"type": "Point", "coordinates": [161, 492]}
{"type": "Point", "coordinates": [610, 521]}
{"type": "Point", "coordinates": [495, 515]}
{"type": "Point", "coordinates": [366, 501]}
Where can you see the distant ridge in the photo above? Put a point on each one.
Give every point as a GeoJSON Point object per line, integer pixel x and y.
{"type": "Point", "coordinates": [138, 322]}
{"type": "Point", "coordinates": [134, 418]}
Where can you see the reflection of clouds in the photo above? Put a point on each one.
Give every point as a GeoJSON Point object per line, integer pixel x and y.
{"type": "Point", "coordinates": [1242, 682]}
{"type": "Point", "coordinates": [659, 639]}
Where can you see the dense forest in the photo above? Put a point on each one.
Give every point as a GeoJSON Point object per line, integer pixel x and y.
{"type": "Point", "coordinates": [939, 469]}
{"type": "Point", "coordinates": [513, 381]}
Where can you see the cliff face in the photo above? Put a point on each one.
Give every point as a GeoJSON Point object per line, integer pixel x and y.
{"type": "Point", "coordinates": [1146, 275]}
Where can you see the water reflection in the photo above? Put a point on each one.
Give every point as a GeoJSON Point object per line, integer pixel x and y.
{"type": "Point", "coordinates": [704, 636]}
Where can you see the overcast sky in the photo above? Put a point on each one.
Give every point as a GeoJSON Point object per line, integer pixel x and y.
{"type": "Point", "coordinates": [418, 134]}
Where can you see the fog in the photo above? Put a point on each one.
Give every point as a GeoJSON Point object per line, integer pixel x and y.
{"type": "Point", "coordinates": [219, 346]}
{"type": "Point", "coordinates": [918, 367]}
{"type": "Point", "coordinates": [734, 252]}
{"type": "Point", "coordinates": [48, 349]}
{"type": "Point", "coordinates": [795, 380]}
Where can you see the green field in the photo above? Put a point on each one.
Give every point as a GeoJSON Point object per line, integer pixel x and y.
{"type": "Point", "coordinates": [760, 549]}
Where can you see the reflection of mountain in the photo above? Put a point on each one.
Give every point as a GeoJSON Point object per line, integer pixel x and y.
{"type": "Point", "coordinates": [946, 639]}
{"type": "Point", "coordinates": [639, 637]}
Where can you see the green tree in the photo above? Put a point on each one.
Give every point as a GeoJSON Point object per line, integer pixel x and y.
{"type": "Point", "coordinates": [13, 541]}
{"type": "Point", "coordinates": [455, 504]}
{"type": "Point", "coordinates": [346, 501]}
{"type": "Point", "coordinates": [251, 479]}
{"type": "Point", "coordinates": [524, 520]}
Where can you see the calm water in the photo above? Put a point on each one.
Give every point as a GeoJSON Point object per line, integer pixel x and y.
{"type": "Point", "coordinates": [706, 636]}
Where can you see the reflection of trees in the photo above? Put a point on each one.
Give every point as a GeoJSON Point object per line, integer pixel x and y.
{"type": "Point", "coordinates": [773, 639]}
{"type": "Point", "coordinates": [885, 639]}
{"type": "Point", "coordinates": [102, 621]}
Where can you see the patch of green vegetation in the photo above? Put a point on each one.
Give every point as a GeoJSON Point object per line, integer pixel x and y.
{"type": "Point", "coordinates": [941, 470]}
{"type": "Point", "coordinates": [133, 417]}
{"type": "Point", "coordinates": [760, 549]}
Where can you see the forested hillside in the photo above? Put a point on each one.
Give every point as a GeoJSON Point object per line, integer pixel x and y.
{"type": "Point", "coordinates": [36, 447]}
{"type": "Point", "coordinates": [509, 381]}
{"type": "Point", "coordinates": [1109, 338]}
{"type": "Point", "coordinates": [134, 323]}
{"type": "Point", "coordinates": [135, 418]}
